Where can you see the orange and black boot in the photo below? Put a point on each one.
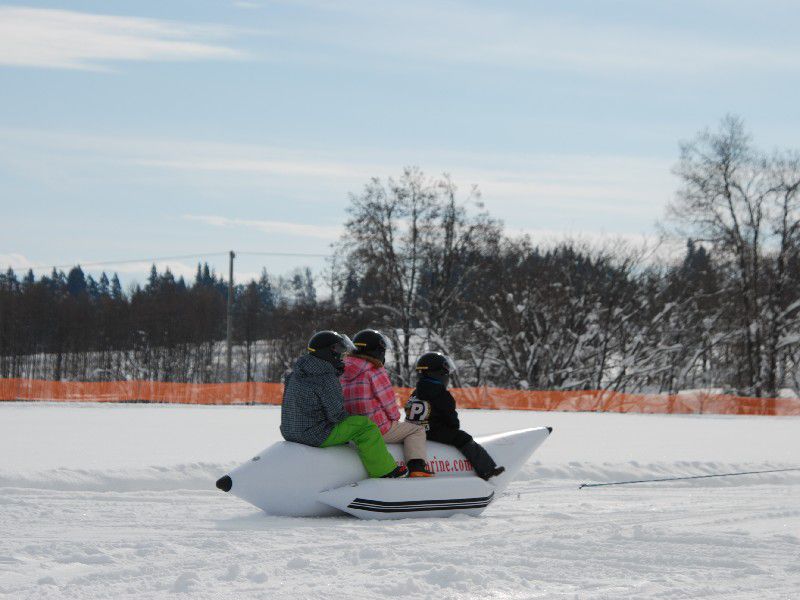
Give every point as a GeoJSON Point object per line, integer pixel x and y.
{"type": "Point", "coordinates": [417, 468]}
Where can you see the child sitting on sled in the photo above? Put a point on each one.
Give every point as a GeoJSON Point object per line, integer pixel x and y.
{"type": "Point", "coordinates": [368, 391]}
{"type": "Point", "coordinates": [432, 405]}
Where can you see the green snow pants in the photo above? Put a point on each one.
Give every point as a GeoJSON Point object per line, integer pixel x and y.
{"type": "Point", "coordinates": [369, 443]}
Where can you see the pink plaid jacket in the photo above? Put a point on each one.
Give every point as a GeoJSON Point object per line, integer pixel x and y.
{"type": "Point", "coordinates": [368, 391]}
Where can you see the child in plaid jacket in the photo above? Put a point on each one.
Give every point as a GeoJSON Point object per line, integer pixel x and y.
{"type": "Point", "coordinates": [368, 391]}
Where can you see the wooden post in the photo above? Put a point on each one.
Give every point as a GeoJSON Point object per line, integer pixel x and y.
{"type": "Point", "coordinates": [229, 334]}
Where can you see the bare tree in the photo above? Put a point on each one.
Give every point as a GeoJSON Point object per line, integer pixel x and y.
{"type": "Point", "coordinates": [414, 247]}
{"type": "Point", "coordinates": [746, 206]}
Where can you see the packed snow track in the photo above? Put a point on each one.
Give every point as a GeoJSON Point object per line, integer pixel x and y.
{"type": "Point", "coordinates": [100, 501]}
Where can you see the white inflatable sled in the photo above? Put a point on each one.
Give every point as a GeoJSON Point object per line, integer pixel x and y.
{"type": "Point", "coordinates": [291, 479]}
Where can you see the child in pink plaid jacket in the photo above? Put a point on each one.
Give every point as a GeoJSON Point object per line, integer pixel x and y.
{"type": "Point", "coordinates": [368, 391]}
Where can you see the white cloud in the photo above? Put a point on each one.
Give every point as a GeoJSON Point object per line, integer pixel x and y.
{"type": "Point", "coordinates": [255, 165]}
{"type": "Point", "coordinates": [498, 35]}
{"type": "Point", "coordinates": [64, 39]}
{"type": "Point", "coordinates": [18, 262]}
{"type": "Point", "coordinates": [549, 191]}
{"type": "Point", "coordinates": [601, 184]}
{"type": "Point", "coordinates": [554, 179]}
{"type": "Point", "coordinates": [324, 232]}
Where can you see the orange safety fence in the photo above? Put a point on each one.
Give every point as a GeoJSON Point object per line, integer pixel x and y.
{"type": "Point", "coordinates": [141, 391]}
{"type": "Point", "coordinates": [477, 397]}
{"type": "Point", "coordinates": [607, 401]}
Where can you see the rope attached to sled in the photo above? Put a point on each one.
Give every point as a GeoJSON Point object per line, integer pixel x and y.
{"type": "Point", "coordinates": [585, 485]}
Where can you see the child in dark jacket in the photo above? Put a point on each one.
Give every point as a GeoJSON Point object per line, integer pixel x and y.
{"type": "Point", "coordinates": [433, 406]}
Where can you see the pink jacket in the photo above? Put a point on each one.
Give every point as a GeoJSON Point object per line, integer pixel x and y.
{"type": "Point", "coordinates": [368, 391]}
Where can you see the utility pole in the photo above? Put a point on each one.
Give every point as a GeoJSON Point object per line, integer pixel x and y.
{"type": "Point", "coordinates": [229, 336]}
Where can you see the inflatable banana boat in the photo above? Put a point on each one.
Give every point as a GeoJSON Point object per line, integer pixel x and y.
{"type": "Point", "coordinates": [291, 479]}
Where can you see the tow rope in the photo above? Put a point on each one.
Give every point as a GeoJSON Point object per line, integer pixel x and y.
{"type": "Point", "coordinates": [585, 485]}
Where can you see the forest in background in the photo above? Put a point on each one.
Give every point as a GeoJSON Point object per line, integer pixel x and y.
{"type": "Point", "coordinates": [428, 266]}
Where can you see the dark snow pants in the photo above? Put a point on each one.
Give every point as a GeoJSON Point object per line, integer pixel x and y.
{"type": "Point", "coordinates": [472, 450]}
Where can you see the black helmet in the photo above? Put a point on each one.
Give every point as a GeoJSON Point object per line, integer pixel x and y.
{"type": "Point", "coordinates": [371, 343]}
{"type": "Point", "coordinates": [331, 347]}
{"type": "Point", "coordinates": [436, 365]}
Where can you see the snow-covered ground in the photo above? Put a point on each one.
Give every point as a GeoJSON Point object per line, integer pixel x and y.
{"type": "Point", "coordinates": [118, 501]}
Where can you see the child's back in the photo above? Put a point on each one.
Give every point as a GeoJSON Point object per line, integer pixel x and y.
{"type": "Point", "coordinates": [443, 413]}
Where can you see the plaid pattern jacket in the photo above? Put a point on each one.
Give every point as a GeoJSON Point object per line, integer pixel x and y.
{"type": "Point", "coordinates": [368, 391]}
{"type": "Point", "coordinates": [312, 402]}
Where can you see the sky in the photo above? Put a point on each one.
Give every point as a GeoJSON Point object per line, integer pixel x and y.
{"type": "Point", "coordinates": [140, 129]}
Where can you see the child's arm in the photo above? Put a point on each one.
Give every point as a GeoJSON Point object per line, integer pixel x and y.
{"type": "Point", "coordinates": [443, 409]}
{"type": "Point", "coordinates": [383, 391]}
{"type": "Point", "coordinates": [450, 410]}
{"type": "Point", "coordinates": [332, 400]}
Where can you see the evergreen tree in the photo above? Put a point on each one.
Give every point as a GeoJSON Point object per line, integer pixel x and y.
{"type": "Point", "coordinates": [152, 280]}
{"type": "Point", "coordinates": [116, 288]}
{"type": "Point", "coordinates": [265, 292]}
{"type": "Point", "coordinates": [352, 289]}
{"type": "Point", "coordinates": [76, 282]}
{"type": "Point", "coordinates": [103, 287]}
{"type": "Point", "coordinates": [92, 288]}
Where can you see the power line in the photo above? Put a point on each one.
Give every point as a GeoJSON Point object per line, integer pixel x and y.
{"type": "Point", "coordinates": [301, 254]}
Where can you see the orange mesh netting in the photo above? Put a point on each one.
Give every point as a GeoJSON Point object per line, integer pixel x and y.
{"type": "Point", "coordinates": [605, 401]}
{"type": "Point", "coordinates": [141, 391]}
{"type": "Point", "coordinates": [494, 398]}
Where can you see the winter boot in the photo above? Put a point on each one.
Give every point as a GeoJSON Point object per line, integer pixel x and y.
{"type": "Point", "coordinates": [417, 468]}
{"type": "Point", "coordinates": [398, 472]}
{"type": "Point", "coordinates": [495, 472]}
{"type": "Point", "coordinates": [484, 465]}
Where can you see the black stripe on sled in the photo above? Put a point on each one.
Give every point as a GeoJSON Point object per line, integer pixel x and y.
{"type": "Point", "coordinates": [404, 509]}
{"type": "Point", "coordinates": [420, 505]}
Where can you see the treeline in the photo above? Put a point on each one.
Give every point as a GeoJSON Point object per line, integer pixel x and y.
{"type": "Point", "coordinates": [429, 267]}
{"type": "Point", "coordinates": [71, 326]}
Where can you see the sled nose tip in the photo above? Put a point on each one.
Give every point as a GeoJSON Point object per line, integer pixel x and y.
{"type": "Point", "coordinates": [549, 430]}
{"type": "Point", "coordinates": [225, 483]}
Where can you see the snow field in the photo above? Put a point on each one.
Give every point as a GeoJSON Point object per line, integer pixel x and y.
{"type": "Point", "coordinates": [101, 501]}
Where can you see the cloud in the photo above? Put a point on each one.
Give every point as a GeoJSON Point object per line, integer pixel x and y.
{"type": "Point", "coordinates": [498, 35]}
{"type": "Point", "coordinates": [606, 184]}
{"type": "Point", "coordinates": [18, 262]}
{"type": "Point", "coordinates": [64, 39]}
{"type": "Point", "coordinates": [601, 184]}
{"type": "Point", "coordinates": [551, 191]}
{"type": "Point", "coordinates": [324, 232]}
{"type": "Point", "coordinates": [556, 178]}
{"type": "Point", "coordinates": [255, 165]}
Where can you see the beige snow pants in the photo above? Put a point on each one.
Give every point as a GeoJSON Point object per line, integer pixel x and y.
{"type": "Point", "coordinates": [412, 436]}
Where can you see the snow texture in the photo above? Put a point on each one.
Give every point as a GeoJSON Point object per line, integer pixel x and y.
{"type": "Point", "coordinates": [102, 501]}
